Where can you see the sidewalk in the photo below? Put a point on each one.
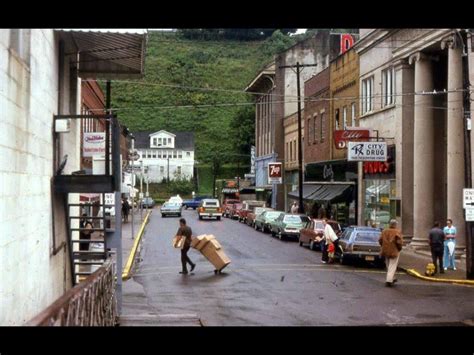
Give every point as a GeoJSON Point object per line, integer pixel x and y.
{"type": "Point", "coordinates": [414, 263]}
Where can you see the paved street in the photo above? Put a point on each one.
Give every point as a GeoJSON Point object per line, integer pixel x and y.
{"type": "Point", "coordinates": [273, 282]}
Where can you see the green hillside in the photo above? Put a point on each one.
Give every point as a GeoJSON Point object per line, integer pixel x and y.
{"type": "Point", "coordinates": [175, 61]}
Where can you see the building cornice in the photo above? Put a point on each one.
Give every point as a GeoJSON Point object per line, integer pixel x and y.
{"type": "Point", "coordinates": [371, 39]}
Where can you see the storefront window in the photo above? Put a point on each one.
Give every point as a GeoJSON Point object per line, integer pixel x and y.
{"type": "Point", "coordinates": [377, 207]}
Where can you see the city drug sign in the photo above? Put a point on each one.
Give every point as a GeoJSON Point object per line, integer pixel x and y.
{"type": "Point", "coordinates": [367, 151]}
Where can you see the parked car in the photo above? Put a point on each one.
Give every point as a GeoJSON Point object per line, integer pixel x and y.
{"type": "Point", "coordinates": [247, 208]}
{"type": "Point", "coordinates": [288, 225]}
{"type": "Point", "coordinates": [227, 205]}
{"type": "Point", "coordinates": [210, 208]}
{"type": "Point", "coordinates": [250, 220]}
{"type": "Point", "coordinates": [263, 220]}
{"type": "Point", "coordinates": [147, 202]}
{"type": "Point", "coordinates": [194, 202]}
{"type": "Point", "coordinates": [235, 209]}
{"type": "Point", "coordinates": [360, 243]}
{"type": "Point", "coordinates": [315, 228]}
{"type": "Point", "coordinates": [171, 209]}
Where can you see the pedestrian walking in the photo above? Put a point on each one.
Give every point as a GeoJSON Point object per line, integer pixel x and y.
{"type": "Point", "coordinates": [294, 208]}
{"type": "Point", "coordinates": [321, 212]}
{"type": "Point", "coordinates": [185, 232]}
{"type": "Point", "coordinates": [391, 241]}
{"type": "Point", "coordinates": [125, 210]}
{"type": "Point", "coordinates": [449, 245]}
{"type": "Point", "coordinates": [329, 237]}
{"type": "Point", "coordinates": [437, 246]}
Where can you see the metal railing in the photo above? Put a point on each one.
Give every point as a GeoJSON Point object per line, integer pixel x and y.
{"type": "Point", "coordinates": [91, 303]}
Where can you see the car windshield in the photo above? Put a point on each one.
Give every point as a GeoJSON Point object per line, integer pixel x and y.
{"type": "Point", "coordinates": [272, 215]}
{"type": "Point", "coordinates": [259, 210]}
{"type": "Point", "coordinates": [293, 219]}
{"type": "Point", "coordinates": [171, 205]}
{"type": "Point", "coordinates": [367, 237]}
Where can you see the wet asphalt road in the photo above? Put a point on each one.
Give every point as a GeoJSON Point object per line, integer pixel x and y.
{"type": "Point", "coordinates": [275, 283]}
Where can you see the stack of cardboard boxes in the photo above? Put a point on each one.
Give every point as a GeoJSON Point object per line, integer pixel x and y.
{"type": "Point", "coordinates": [208, 245]}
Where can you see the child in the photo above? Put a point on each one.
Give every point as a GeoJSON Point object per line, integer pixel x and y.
{"type": "Point", "coordinates": [331, 250]}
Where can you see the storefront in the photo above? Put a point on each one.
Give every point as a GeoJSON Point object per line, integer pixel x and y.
{"type": "Point", "coordinates": [380, 204]}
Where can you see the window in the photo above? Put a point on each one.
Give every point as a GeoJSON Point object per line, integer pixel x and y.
{"type": "Point", "coordinates": [286, 152]}
{"type": "Point", "coordinates": [291, 152]}
{"type": "Point", "coordinates": [295, 150]}
{"type": "Point", "coordinates": [188, 154]}
{"type": "Point", "coordinates": [162, 169]}
{"type": "Point", "coordinates": [367, 95]}
{"type": "Point", "coordinates": [159, 141]}
{"type": "Point", "coordinates": [178, 170]}
{"type": "Point", "coordinates": [388, 86]}
{"type": "Point", "coordinates": [180, 155]}
{"type": "Point", "coordinates": [159, 154]}
{"type": "Point", "coordinates": [169, 141]}
{"type": "Point", "coordinates": [337, 119]}
{"type": "Point", "coordinates": [353, 115]}
{"type": "Point", "coordinates": [175, 154]}
{"type": "Point", "coordinates": [315, 129]}
{"type": "Point", "coordinates": [322, 128]}
{"type": "Point", "coordinates": [154, 142]}
{"type": "Point", "coordinates": [154, 154]}
{"type": "Point", "coordinates": [148, 154]}
{"type": "Point", "coordinates": [344, 117]}
{"type": "Point", "coordinates": [164, 154]}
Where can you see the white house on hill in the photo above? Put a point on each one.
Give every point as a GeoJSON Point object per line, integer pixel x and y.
{"type": "Point", "coordinates": [166, 154]}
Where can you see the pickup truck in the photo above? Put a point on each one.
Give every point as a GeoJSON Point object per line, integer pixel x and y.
{"type": "Point", "coordinates": [248, 206]}
{"type": "Point", "coordinates": [228, 205]}
{"type": "Point", "coordinates": [194, 203]}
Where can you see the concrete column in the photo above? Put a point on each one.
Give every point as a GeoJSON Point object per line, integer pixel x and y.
{"type": "Point", "coordinates": [455, 138]}
{"type": "Point", "coordinates": [404, 80]}
{"type": "Point", "coordinates": [423, 149]}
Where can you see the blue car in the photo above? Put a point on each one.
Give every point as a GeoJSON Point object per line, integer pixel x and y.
{"type": "Point", "coordinates": [194, 203]}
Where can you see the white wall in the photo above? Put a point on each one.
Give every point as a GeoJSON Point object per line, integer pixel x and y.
{"type": "Point", "coordinates": [154, 164]}
{"type": "Point", "coordinates": [31, 277]}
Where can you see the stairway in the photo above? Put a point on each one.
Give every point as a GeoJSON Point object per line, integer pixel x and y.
{"type": "Point", "coordinates": [85, 262]}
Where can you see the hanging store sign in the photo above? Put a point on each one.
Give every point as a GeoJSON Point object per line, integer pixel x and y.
{"type": "Point", "coordinates": [341, 137]}
{"type": "Point", "coordinates": [93, 144]}
{"type": "Point", "coordinates": [367, 151]}
{"type": "Point", "coordinates": [275, 173]}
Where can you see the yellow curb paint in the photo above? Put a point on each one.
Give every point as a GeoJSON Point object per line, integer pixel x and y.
{"type": "Point", "coordinates": [126, 274]}
{"type": "Point", "coordinates": [413, 272]}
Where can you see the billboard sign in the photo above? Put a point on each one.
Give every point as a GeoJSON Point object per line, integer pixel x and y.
{"type": "Point", "coordinates": [341, 137]}
{"type": "Point", "coordinates": [93, 144]}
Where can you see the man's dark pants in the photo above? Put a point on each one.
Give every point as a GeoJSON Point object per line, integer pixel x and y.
{"type": "Point", "coordinates": [185, 258]}
{"type": "Point", "coordinates": [437, 253]}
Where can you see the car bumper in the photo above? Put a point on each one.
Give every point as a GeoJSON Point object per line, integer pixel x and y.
{"type": "Point", "coordinates": [370, 257]}
{"type": "Point", "coordinates": [210, 215]}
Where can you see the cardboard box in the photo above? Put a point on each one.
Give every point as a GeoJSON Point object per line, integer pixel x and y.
{"type": "Point", "coordinates": [215, 243]}
{"type": "Point", "coordinates": [204, 241]}
{"type": "Point", "coordinates": [196, 240]}
{"type": "Point", "coordinates": [217, 257]}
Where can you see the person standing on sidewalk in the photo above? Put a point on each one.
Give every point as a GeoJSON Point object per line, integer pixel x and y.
{"type": "Point", "coordinates": [185, 232]}
{"type": "Point", "coordinates": [391, 241]}
{"type": "Point", "coordinates": [436, 243]}
{"type": "Point", "coordinates": [449, 245]}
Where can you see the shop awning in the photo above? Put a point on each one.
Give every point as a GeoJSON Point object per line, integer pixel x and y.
{"type": "Point", "coordinates": [108, 55]}
{"type": "Point", "coordinates": [321, 192]}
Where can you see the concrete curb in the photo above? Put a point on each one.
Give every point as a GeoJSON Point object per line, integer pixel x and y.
{"type": "Point", "coordinates": [416, 274]}
{"type": "Point", "coordinates": [127, 271]}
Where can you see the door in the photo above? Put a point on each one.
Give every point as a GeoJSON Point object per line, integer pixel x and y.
{"type": "Point", "coordinates": [305, 233]}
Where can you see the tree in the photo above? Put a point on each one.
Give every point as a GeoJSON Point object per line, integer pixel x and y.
{"type": "Point", "coordinates": [243, 128]}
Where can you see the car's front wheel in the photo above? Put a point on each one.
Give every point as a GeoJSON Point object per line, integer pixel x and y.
{"type": "Point", "coordinates": [255, 226]}
{"type": "Point", "coordinates": [219, 218]}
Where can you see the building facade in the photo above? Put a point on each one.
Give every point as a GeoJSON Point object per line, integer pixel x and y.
{"type": "Point", "coordinates": [411, 83]}
{"type": "Point", "coordinates": [166, 155]}
{"type": "Point", "coordinates": [263, 87]}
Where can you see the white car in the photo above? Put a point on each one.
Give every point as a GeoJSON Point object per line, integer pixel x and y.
{"type": "Point", "coordinates": [210, 208]}
{"type": "Point", "coordinates": [176, 199]}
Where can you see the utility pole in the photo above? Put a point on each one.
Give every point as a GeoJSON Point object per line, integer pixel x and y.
{"type": "Point", "coordinates": [141, 190]}
{"type": "Point", "coordinates": [300, 145]}
{"type": "Point", "coordinates": [133, 181]}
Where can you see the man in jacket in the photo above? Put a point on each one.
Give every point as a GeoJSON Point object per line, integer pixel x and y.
{"type": "Point", "coordinates": [437, 246]}
{"type": "Point", "coordinates": [185, 232]}
{"type": "Point", "coordinates": [391, 241]}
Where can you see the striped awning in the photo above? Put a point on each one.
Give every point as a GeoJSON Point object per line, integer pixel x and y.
{"type": "Point", "coordinates": [323, 192]}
